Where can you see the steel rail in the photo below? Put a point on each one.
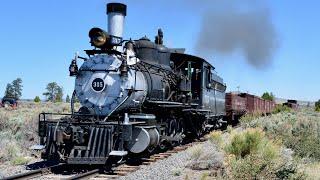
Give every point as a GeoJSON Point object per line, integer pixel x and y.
{"type": "Point", "coordinates": [34, 173]}
{"type": "Point", "coordinates": [85, 175]}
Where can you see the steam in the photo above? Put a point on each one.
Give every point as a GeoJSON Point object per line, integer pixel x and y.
{"type": "Point", "coordinates": [238, 26]}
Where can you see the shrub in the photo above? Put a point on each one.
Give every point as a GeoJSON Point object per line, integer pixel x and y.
{"type": "Point", "coordinates": [243, 144]}
{"type": "Point", "coordinates": [196, 152]}
{"type": "Point", "coordinates": [176, 172]}
{"type": "Point", "coordinates": [9, 151]}
{"type": "Point", "coordinates": [20, 160]}
{"type": "Point", "coordinates": [247, 118]}
{"type": "Point", "coordinates": [304, 138]}
{"type": "Point", "coordinates": [215, 137]}
{"type": "Point", "coordinates": [18, 129]}
{"type": "Point", "coordinates": [204, 176]}
{"type": "Point", "coordinates": [313, 170]}
{"type": "Point", "coordinates": [229, 129]}
{"type": "Point", "coordinates": [37, 99]}
{"type": "Point", "coordinates": [317, 106]}
{"type": "Point", "coordinates": [281, 108]}
{"type": "Point", "coordinates": [251, 155]}
{"type": "Point", "coordinates": [299, 131]}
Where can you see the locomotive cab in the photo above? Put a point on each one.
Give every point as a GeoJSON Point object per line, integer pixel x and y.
{"type": "Point", "coordinates": [206, 87]}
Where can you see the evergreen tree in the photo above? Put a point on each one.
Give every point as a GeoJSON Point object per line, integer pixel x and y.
{"type": "Point", "coordinates": [14, 89]}
{"type": "Point", "coordinates": [67, 99]}
{"type": "Point", "coordinates": [54, 92]}
{"type": "Point", "coordinates": [59, 95]}
{"type": "Point", "coordinates": [17, 88]}
{"type": "Point", "coordinates": [317, 105]}
{"type": "Point", "coordinates": [267, 96]}
{"type": "Point", "coordinates": [9, 91]}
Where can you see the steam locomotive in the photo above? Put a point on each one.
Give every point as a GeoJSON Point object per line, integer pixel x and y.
{"type": "Point", "coordinates": [136, 96]}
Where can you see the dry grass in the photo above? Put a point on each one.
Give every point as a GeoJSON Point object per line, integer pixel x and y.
{"type": "Point", "coordinates": [298, 130]}
{"type": "Point", "coordinates": [18, 129]}
{"type": "Point", "coordinates": [285, 145]}
{"type": "Point", "coordinates": [176, 172]}
{"type": "Point", "coordinates": [251, 155]}
{"type": "Point", "coordinates": [313, 170]}
{"type": "Point", "coordinates": [216, 137]}
{"type": "Point", "coordinates": [196, 152]}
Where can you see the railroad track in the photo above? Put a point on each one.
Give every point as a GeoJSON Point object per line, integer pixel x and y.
{"type": "Point", "coordinates": [36, 173]}
{"type": "Point", "coordinates": [54, 172]}
{"type": "Point", "coordinates": [129, 167]}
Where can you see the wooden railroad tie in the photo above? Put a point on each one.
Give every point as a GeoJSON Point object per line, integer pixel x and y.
{"type": "Point", "coordinates": [177, 149]}
{"type": "Point", "coordinates": [121, 173]}
{"type": "Point", "coordinates": [128, 169]}
{"type": "Point", "coordinates": [171, 152]}
{"type": "Point", "coordinates": [166, 154]}
{"type": "Point", "coordinates": [105, 176]}
{"type": "Point", "coordinates": [146, 163]}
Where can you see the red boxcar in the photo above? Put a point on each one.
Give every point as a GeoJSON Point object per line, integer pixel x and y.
{"type": "Point", "coordinates": [267, 105]}
{"type": "Point", "coordinates": [236, 106]}
{"type": "Point", "coordinates": [293, 104]}
{"type": "Point", "coordinates": [255, 104]}
{"type": "Point", "coordinates": [251, 103]}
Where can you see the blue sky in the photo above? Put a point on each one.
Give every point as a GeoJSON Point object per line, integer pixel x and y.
{"type": "Point", "coordinates": [39, 38]}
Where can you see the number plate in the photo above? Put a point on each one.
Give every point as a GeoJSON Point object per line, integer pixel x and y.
{"type": "Point", "coordinates": [97, 84]}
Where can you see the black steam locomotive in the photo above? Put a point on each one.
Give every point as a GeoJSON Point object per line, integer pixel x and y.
{"type": "Point", "coordinates": [136, 96]}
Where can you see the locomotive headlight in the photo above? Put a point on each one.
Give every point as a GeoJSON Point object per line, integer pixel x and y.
{"type": "Point", "coordinates": [98, 37]}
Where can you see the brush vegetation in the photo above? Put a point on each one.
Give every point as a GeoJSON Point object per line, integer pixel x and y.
{"type": "Point", "coordinates": [216, 137]}
{"type": "Point", "coordinates": [252, 155]}
{"type": "Point", "coordinates": [317, 106]}
{"type": "Point", "coordinates": [299, 131]}
{"type": "Point", "coordinates": [18, 129]}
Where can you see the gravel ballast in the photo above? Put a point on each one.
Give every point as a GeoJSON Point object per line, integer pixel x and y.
{"type": "Point", "coordinates": [203, 155]}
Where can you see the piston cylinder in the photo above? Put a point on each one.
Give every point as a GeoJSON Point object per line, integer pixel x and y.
{"type": "Point", "coordinates": [142, 139]}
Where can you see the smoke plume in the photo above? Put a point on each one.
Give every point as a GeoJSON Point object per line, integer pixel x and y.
{"type": "Point", "coordinates": [243, 26]}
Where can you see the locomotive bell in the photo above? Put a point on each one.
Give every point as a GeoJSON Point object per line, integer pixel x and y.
{"type": "Point", "coordinates": [98, 37]}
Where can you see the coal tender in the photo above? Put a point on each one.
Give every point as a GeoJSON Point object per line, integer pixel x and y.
{"type": "Point", "coordinates": [136, 96]}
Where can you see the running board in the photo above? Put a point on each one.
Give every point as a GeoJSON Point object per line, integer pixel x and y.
{"type": "Point", "coordinates": [118, 153]}
{"type": "Point", "coordinates": [37, 147]}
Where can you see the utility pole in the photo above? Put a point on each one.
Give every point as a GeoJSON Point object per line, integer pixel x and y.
{"type": "Point", "coordinates": [238, 87]}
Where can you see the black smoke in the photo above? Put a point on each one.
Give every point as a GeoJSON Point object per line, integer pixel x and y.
{"type": "Point", "coordinates": [245, 26]}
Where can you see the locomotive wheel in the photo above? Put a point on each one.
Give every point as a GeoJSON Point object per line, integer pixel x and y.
{"type": "Point", "coordinates": [164, 145]}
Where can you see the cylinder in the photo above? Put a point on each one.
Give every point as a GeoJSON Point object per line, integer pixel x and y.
{"type": "Point", "coordinates": [116, 13]}
{"type": "Point", "coordinates": [142, 139]}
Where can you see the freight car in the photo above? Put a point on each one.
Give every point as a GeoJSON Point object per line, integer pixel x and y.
{"type": "Point", "coordinates": [239, 104]}
{"type": "Point", "coordinates": [256, 104]}
{"type": "Point", "coordinates": [236, 106]}
{"type": "Point", "coordinates": [136, 96]}
{"type": "Point", "coordinates": [291, 103]}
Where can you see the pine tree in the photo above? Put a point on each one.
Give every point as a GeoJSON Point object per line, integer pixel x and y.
{"type": "Point", "coordinates": [67, 99]}
{"type": "Point", "coordinates": [17, 88]}
{"type": "Point", "coordinates": [267, 96]}
{"type": "Point", "coordinates": [54, 92]}
{"type": "Point", "coordinates": [59, 94]}
{"type": "Point", "coordinates": [9, 91]}
{"type": "Point", "coordinates": [317, 105]}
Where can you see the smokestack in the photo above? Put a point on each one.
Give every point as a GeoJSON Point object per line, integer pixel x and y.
{"type": "Point", "coordinates": [116, 13]}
